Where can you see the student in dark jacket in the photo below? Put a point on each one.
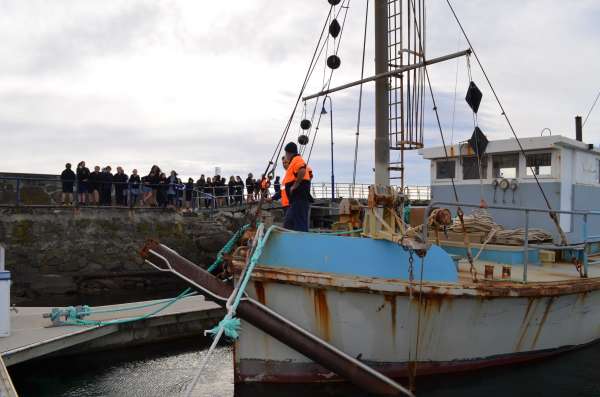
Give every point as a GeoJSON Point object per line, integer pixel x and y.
{"type": "Point", "coordinates": [201, 184]}
{"type": "Point", "coordinates": [208, 186]}
{"type": "Point", "coordinates": [189, 190]}
{"type": "Point", "coordinates": [180, 190]}
{"type": "Point", "coordinates": [172, 189]}
{"type": "Point", "coordinates": [83, 185]}
{"type": "Point", "coordinates": [256, 189]}
{"type": "Point", "coordinates": [161, 191]}
{"type": "Point", "coordinates": [239, 190]}
{"type": "Point", "coordinates": [134, 187]}
{"type": "Point", "coordinates": [231, 190]}
{"type": "Point", "coordinates": [94, 183]}
{"type": "Point", "coordinates": [106, 186]}
{"type": "Point", "coordinates": [249, 188]}
{"type": "Point", "coordinates": [120, 180]}
{"type": "Point", "coordinates": [67, 178]}
{"type": "Point", "coordinates": [217, 191]}
{"type": "Point", "coordinates": [154, 182]}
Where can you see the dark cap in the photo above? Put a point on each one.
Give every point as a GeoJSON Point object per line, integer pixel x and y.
{"type": "Point", "coordinates": [291, 147]}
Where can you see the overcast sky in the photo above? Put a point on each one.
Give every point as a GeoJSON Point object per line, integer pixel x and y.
{"type": "Point", "coordinates": [190, 85]}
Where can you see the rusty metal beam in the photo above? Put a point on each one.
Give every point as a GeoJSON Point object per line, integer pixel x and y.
{"type": "Point", "coordinates": [379, 76]}
{"type": "Point", "coordinates": [273, 324]}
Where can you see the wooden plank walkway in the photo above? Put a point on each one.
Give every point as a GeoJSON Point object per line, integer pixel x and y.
{"type": "Point", "coordinates": [7, 389]}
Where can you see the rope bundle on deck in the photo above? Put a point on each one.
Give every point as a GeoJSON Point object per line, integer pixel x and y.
{"type": "Point", "coordinates": [480, 221]}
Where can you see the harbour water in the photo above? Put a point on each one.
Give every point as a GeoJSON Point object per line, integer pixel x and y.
{"type": "Point", "coordinates": [165, 369]}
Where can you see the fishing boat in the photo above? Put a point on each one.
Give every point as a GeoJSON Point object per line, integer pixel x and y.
{"type": "Point", "coordinates": [468, 300]}
{"type": "Point", "coordinates": [500, 268]}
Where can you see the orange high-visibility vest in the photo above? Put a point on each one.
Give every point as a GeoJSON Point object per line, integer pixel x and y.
{"type": "Point", "coordinates": [285, 202]}
{"type": "Point", "coordinates": [309, 172]}
{"type": "Point", "coordinates": [295, 166]}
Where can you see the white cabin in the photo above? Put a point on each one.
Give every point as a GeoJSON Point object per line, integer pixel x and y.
{"type": "Point", "coordinates": [568, 171]}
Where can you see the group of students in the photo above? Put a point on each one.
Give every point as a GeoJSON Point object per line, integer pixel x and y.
{"type": "Point", "coordinates": [159, 190]}
{"type": "Point", "coordinates": [96, 187]}
{"type": "Point", "coordinates": [155, 189]}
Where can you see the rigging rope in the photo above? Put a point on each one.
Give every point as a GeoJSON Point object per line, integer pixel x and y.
{"type": "Point", "coordinates": [360, 95]}
{"type": "Point", "coordinates": [478, 155]}
{"type": "Point", "coordinates": [455, 92]}
{"type": "Point", "coordinates": [346, 7]}
{"type": "Point", "coordinates": [553, 215]}
{"type": "Point", "coordinates": [591, 109]}
{"type": "Point", "coordinates": [281, 141]}
{"type": "Point", "coordinates": [323, 83]}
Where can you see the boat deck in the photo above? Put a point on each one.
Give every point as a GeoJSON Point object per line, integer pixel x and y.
{"type": "Point", "coordinates": [535, 273]}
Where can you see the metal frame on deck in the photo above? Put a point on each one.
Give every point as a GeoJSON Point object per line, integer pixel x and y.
{"type": "Point", "coordinates": [578, 247]}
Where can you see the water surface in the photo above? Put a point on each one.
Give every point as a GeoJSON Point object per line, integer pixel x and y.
{"type": "Point", "coordinates": [165, 370]}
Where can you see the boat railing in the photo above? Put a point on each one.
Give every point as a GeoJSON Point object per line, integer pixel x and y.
{"type": "Point", "coordinates": [325, 190]}
{"type": "Point", "coordinates": [582, 248]}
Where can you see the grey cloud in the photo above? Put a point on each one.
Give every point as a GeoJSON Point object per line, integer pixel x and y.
{"type": "Point", "coordinates": [538, 88]}
{"type": "Point", "coordinates": [94, 36]}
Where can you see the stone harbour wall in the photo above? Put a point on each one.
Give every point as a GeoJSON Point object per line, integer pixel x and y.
{"type": "Point", "coordinates": [61, 256]}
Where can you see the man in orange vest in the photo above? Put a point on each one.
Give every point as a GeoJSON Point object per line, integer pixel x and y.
{"type": "Point", "coordinates": [297, 188]}
{"type": "Point", "coordinates": [281, 195]}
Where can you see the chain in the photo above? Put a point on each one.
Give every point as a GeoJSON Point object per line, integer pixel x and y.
{"type": "Point", "coordinates": [411, 275]}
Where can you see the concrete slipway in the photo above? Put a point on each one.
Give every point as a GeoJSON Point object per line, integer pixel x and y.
{"type": "Point", "coordinates": [32, 336]}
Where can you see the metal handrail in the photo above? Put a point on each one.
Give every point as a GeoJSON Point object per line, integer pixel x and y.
{"type": "Point", "coordinates": [319, 190]}
{"type": "Point", "coordinates": [584, 213]}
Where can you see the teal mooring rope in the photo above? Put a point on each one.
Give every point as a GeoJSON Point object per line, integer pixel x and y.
{"type": "Point", "coordinates": [75, 315]}
{"type": "Point", "coordinates": [227, 248]}
{"type": "Point", "coordinates": [231, 324]}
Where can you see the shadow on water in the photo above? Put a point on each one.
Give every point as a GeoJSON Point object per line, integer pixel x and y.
{"type": "Point", "coordinates": [165, 370]}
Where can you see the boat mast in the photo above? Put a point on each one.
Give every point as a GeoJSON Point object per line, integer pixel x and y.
{"type": "Point", "coordinates": [382, 151]}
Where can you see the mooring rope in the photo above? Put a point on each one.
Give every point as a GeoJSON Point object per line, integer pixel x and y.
{"type": "Point", "coordinates": [227, 248]}
{"type": "Point", "coordinates": [74, 315]}
{"type": "Point", "coordinates": [230, 324]}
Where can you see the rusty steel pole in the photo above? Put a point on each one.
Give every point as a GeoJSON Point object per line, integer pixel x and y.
{"type": "Point", "coordinates": [273, 324]}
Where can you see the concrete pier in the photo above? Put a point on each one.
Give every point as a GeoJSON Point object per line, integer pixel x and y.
{"type": "Point", "coordinates": [33, 336]}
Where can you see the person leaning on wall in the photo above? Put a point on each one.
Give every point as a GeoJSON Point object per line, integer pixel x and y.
{"type": "Point", "coordinates": [67, 178]}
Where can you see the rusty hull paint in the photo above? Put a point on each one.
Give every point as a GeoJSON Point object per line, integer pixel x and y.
{"type": "Point", "coordinates": [536, 308]}
{"type": "Point", "coordinates": [534, 313]}
{"type": "Point", "coordinates": [528, 337]}
{"type": "Point", "coordinates": [322, 314]}
{"type": "Point", "coordinates": [391, 299]}
{"type": "Point", "coordinates": [251, 371]}
{"type": "Point", "coordinates": [402, 287]}
{"type": "Point", "coordinates": [259, 289]}
{"type": "Point", "coordinates": [549, 303]}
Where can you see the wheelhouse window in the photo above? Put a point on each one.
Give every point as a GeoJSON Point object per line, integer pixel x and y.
{"type": "Point", "coordinates": [445, 169]}
{"type": "Point", "coordinates": [541, 163]}
{"type": "Point", "coordinates": [470, 167]}
{"type": "Point", "coordinates": [505, 165]}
